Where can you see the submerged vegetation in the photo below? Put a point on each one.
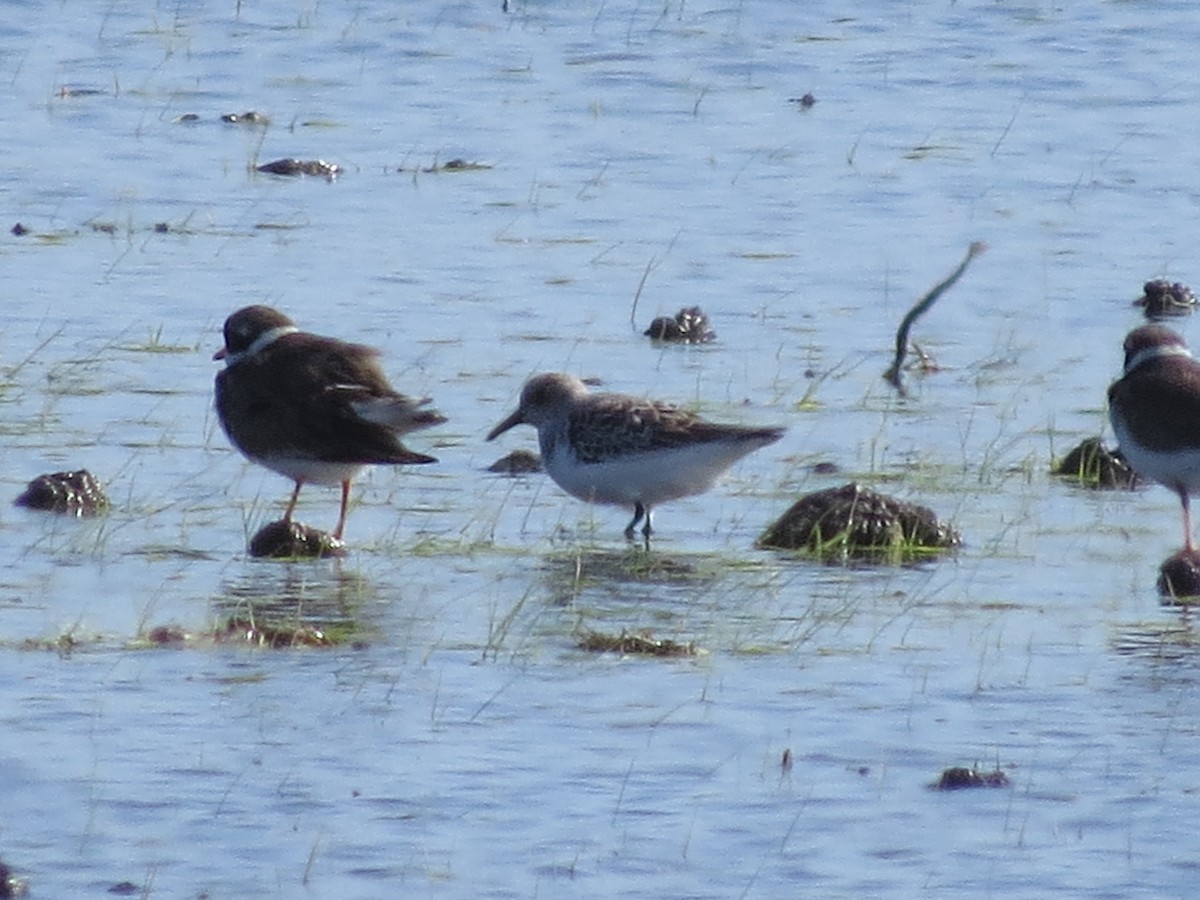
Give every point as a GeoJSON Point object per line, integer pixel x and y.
{"type": "Point", "coordinates": [854, 522]}
{"type": "Point", "coordinates": [1091, 464]}
{"type": "Point", "coordinates": [284, 539]}
{"type": "Point", "coordinates": [641, 643]}
{"type": "Point", "coordinates": [957, 778]}
{"type": "Point", "coordinates": [77, 493]}
{"type": "Point", "coordinates": [261, 631]}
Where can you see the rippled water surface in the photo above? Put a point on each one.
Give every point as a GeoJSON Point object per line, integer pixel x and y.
{"type": "Point", "coordinates": [627, 159]}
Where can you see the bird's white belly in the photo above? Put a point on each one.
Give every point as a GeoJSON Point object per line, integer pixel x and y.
{"type": "Point", "coordinates": [1177, 469]}
{"type": "Point", "coordinates": [648, 478]}
{"type": "Point", "coordinates": [311, 471]}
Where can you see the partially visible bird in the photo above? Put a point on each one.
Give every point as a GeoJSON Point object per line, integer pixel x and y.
{"type": "Point", "coordinates": [1155, 412]}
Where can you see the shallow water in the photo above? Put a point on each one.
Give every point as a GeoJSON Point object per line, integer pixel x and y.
{"type": "Point", "coordinates": [461, 744]}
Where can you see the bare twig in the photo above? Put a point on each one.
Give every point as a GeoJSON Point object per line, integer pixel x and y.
{"type": "Point", "coordinates": [893, 374]}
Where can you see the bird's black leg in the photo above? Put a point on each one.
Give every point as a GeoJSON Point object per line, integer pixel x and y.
{"type": "Point", "coordinates": [646, 530]}
{"type": "Point", "coordinates": [638, 512]}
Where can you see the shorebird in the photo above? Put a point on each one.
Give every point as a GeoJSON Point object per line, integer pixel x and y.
{"type": "Point", "coordinates": [623, 450]}
{"type": "Point", "coordinates": [1155, 412]}
{"type": "Point", "coordinates": [312, 408]}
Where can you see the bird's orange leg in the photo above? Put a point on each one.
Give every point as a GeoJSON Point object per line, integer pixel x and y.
{"type": "Point", "coordinates": [1187, 522]}
{"type": "Point", "coordinates": [287, 513]}
{"type": "Point", "coordinates": [341, 523]}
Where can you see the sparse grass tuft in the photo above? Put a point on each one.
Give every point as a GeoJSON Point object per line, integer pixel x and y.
{"type": "Point", "coordinates": [641, 643]}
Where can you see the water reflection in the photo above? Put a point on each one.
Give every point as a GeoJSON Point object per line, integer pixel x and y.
{"type": "Point", "coordinates": [293, 605]}
{"type": "Point", "coordinates": [623, 573]}
{"type": "Point", "coordinates": [1159, 641]}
